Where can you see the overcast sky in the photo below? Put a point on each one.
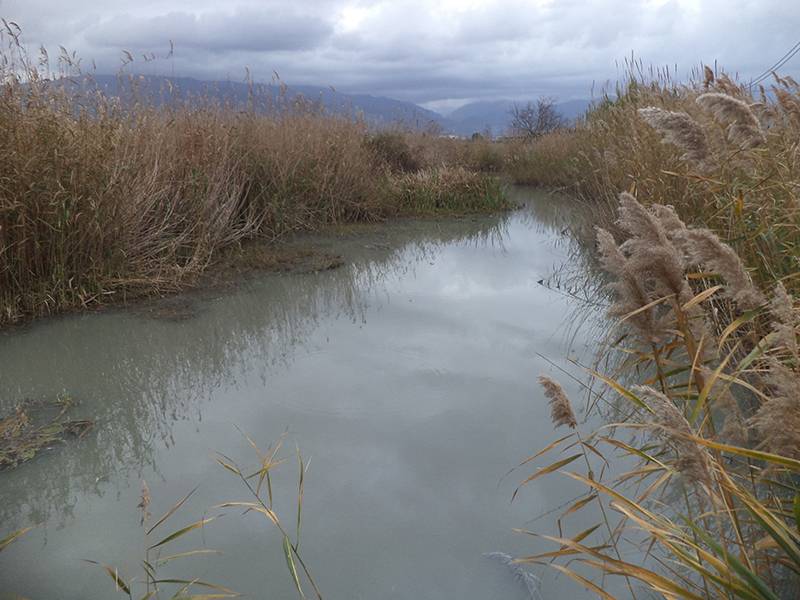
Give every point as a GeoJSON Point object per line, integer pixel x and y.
{"type": "Point", "coordinates": [436, 52]}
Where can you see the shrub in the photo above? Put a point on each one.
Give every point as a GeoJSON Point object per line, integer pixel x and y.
{"type": "Point", "coordinates": [392, 149]}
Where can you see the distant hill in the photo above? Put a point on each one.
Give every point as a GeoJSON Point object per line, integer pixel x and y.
{"type": "Point", "coordinates": [495, 115]}
{"type": "Point", "coordinates": [377, 110]}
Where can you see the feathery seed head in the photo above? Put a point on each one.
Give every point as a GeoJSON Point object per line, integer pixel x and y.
{"type": "Point", "coordinates": [693, 460]}
{"type": "Point", "coordinates": [670, 220]}
{"type": "Point", "coordinates": [662, 269]}
{"type": "Point", "coordinates": [703, 247]}
{"type": "Point", "coordinates": [786, 321]}
{"type": "Point", "coordinates": [679, 129]}
{"type": "Point", "coordinates": [762, 93]}
{"type": "Point", "coordinates": [560, 407]}
{"type": "Point", "coordinates": [725, 84]}
{"type": "Point", "coordinates": [782, 305]}
{"type": "Point", "coordinates": [777, 421]}
{"type": "Point", "coordinates": [708, 76]}
{"type": "Point", "coordinates": [744, 128]}
{"type": "Point", "coordinates": [638, 221]}
{"type": "Point", "coordinates": [630, 297]}
{"type": "Point", "coordinates": [789, 103]}
{"type": "Point", "coordinates": [611, 257]}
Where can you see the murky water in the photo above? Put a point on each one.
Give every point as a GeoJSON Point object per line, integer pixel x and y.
{"type": "Point", "coordinates": [407, 377]}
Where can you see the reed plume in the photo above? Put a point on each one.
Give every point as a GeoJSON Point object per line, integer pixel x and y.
{"type": "Point", "coordinates": [692, 460]}
{"type": "Point", "coordinates": [789, 103]}
{"type": "Point", "coordinates": [611, 257]}
{"type": "Point", "coordinates": [744, 128]}
{"type": "Point", "coordinates": [703, 247]}
{"type": "Point", "coordinates": [708, 76]}
{"type": "Point", "coordinates": [649, 267]}
{"type": "Point", "coordinates": [777, 421]}
{"type": "Point", "coordinates": [681, 130]}
{"type": "Point", "coordinates": [669, 219]}
{"type": "Point", "coordinates": [629, 295]}
{"type": "Point", "coordinates": [660, 268]}
{"type": "Point", "coordinates": [726, 85]}
{"type": "Point", "coordinates": [654, 259]}
{"type": "Point", "coordinates": [791, 82]}
{"type": "Point", "coordinates": [640, 223]}
{"type": "Point", "coordinates": [786, 320]}
{"type": "Point", "coordinates": [560, 407]}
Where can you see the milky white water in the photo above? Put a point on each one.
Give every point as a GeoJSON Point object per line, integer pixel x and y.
{"type": "Point", "coordinates": [407, 377]}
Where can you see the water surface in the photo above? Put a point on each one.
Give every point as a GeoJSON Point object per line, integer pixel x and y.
{"type": "Point", "coordinates": [407, 377]}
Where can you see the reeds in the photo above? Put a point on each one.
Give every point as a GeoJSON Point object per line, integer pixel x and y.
{"type": "Point", "coordinates": [669, 423]}
{"type": "Point", "coordinates": [107, 198]}
{"type": "Point", "coordinates": [680, 129]}
{"type": "Point", "coordinates": [560, 407]}
{"type": "Point", "coordinates": [151, 583]}
{"type": "Point", "coordinates": [724, 159]}
{"type": "Point", "coordinates": [708, 411]}
{"type": "Point", "coordinates": [743, 127]}
{"type": "Point", "coordinates": [704, 248]}
{"type": "Point", "coordinates": [446, 190]}
{"type": "Point", "coordinates": [702, 259]}
{"type": "Point", "coordinates": [777, 421]}
{"type": "Point", "coordinates": [35, 427]}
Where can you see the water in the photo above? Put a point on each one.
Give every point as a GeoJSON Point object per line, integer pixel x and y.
{"type": "Point", "coordinates": [407, 377]}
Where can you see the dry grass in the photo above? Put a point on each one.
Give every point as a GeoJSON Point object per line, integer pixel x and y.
{"type": "Point", "coordinates": [479, 154]}
{"type": "Point", "coordinates": [544, 161]}
{"type": "Point", "coordinates": [106, 198]}
{"type": "Point", "coordinates": [721, 154]}
{"type": "Point", "coordinates": [702, 256]}
{"type": "Point", "coordinates": [711, 507]}
{"type": "Point", "coordinates": [34, 427]}
{"type": "Point", "coordinates": [448, 190]}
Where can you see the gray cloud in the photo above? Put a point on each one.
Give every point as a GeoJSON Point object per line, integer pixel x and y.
{"type": "Point", "coordinates": [243, 30]}
{"type": "Point", "coordinates": [438, 52]}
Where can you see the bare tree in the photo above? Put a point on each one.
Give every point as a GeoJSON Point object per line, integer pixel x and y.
{"type": "Point", "coordinates": [533, 120]}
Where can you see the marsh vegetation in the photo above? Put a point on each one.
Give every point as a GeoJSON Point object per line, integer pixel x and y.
{"type": "Point", "coordinates": [694, 188]}
{"type": "Point", "coordinates": [702, 257]}
{"type": "Point", "coordinates": [112, 197]}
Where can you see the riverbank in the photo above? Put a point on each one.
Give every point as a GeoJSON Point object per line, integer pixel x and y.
{"type": "Point", "coordinates": [404, 376]}
{"type": "Point", "coordinates": [694, 189]}
{"type": "Point", "coordinates": [106, 198]}
{"type": "Point", "coordinates": [723, 154]}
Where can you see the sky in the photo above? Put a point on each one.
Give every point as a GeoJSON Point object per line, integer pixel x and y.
{"type": "Point", "coordinates": [438, 53]}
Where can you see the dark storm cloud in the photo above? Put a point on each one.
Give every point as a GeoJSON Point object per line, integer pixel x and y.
{"type": "Point", "coordinates": [435, 51]}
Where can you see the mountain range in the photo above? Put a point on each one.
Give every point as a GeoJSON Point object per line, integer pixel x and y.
{"type": "Point", "coordinates": [379, 111]}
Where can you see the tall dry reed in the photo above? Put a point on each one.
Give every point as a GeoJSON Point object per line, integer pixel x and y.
{"type": "Point", "coordinates": [723, 154]}
{"type": "Point", "coordinates": [708, 414]}
{"type": "Point", "coordinates": [107, 197]}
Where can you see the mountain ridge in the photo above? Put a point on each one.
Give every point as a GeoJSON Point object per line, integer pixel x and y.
{"type": "Point", "coordinates": [378, 111]}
